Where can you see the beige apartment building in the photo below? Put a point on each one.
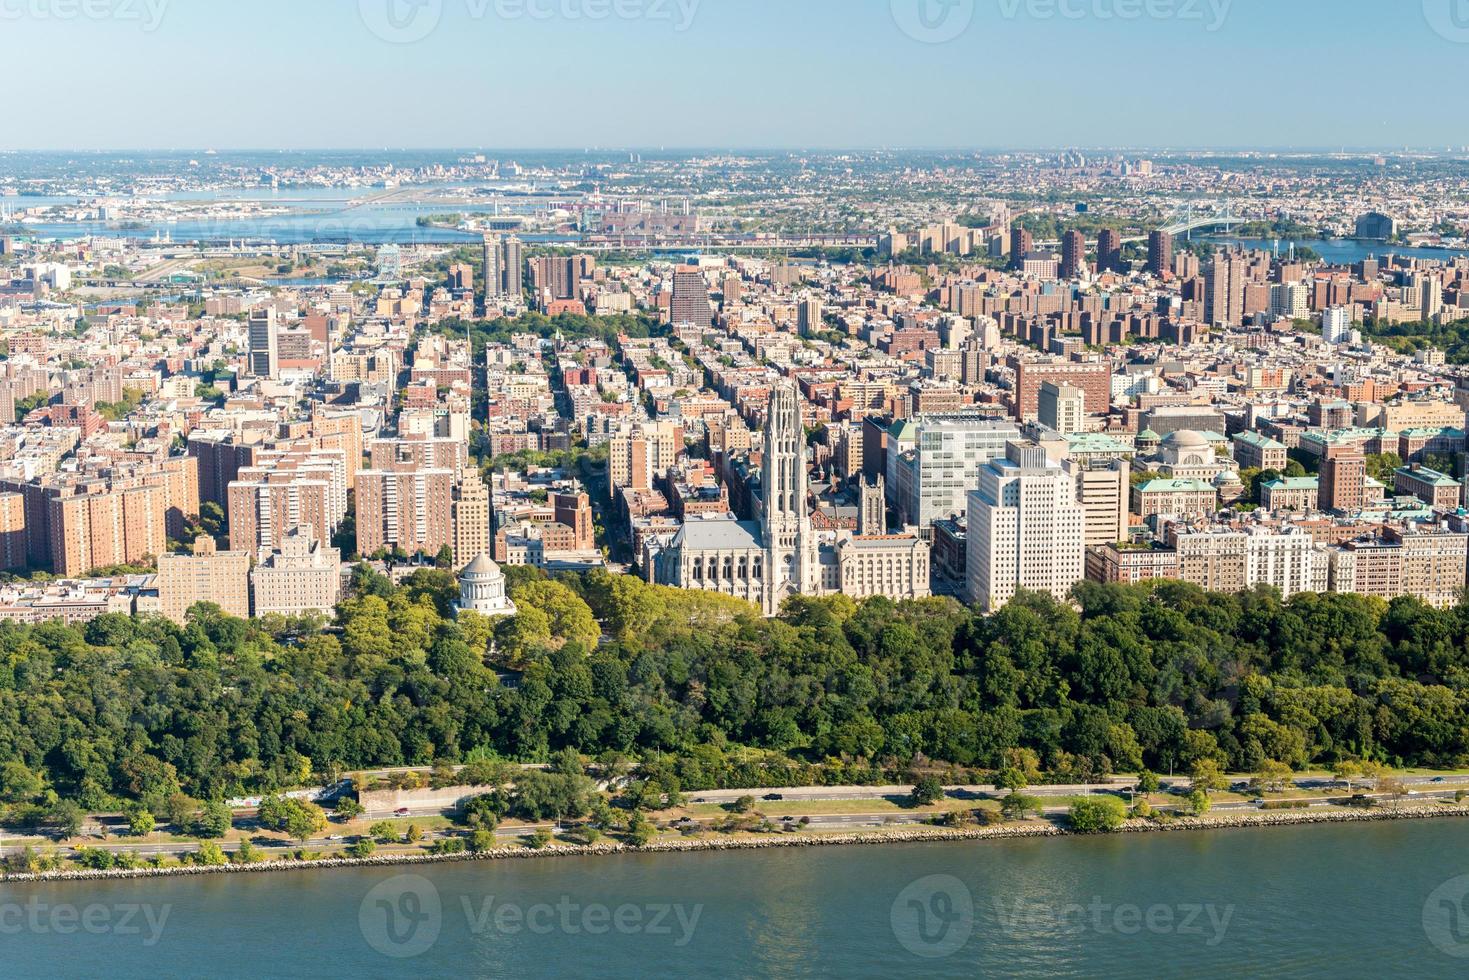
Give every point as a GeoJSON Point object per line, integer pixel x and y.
{"type": "Point", "coordinates": [329, 429]}
{"type": "Point", "coordinates": [419, 453]}
{"type": "Point", "coordinates": [1426, 561]}
{"type": "Point", "coordinates": [471, 513]}
{"type": "Point", "coordinates": [207, 575]}
{"type": "Point", "coordinates": [270, 501]}
{"type": "Point", "coordinates": [1102, 489]}
{"type": "Point", "coordinates": [301, 577]}
{"type": "Point", "coordinates": [375, 367]}
{"type": "Point", "coordinates": [641, 454]}
{"type": "Point", "coordinates": [1228, 559]}
{"type": "Point", "coordinates": [1215, 561]}
{"type": "Point", "coordinates": [1411, 415]}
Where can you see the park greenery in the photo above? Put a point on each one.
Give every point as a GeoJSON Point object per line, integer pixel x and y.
{"type": "Point", "coordinates": [569, 325]}
{"type": "Point", "coordinates": [1097, 814]}
{"type": "Point", "coordinates": [1409, 338]}
{"type": "Point", "coordinates": [1279, 228]}
{"type": "Point", "coordinates": [1048, 227]}
{"type": "Point", "coordinates": [688, 690]}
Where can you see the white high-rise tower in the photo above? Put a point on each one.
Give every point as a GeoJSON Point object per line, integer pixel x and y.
{"type": "Point", "coordinates": [1027, 530]}
{"type": "Point", "coordinates": [494, 276]}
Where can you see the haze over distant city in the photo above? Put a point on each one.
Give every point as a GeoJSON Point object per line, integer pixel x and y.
{"type": "Point", "coordinates": [1323, 74]}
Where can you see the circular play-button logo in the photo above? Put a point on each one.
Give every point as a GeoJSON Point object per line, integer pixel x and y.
{"type": "Point", "coordinates": [401, 21]}
{"type": "Point", "coordinates": [933, 21]}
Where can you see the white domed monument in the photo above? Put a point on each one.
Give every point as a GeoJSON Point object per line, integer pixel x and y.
{"type": "Point", "coordinates": [1187, 448]}
{"type": "Point", "coordinates": [482, 589]}
{"type": "Point", "coordinates": [1190, 455]}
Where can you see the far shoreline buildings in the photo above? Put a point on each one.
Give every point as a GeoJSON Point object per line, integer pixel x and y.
{"type": "Point", "coordinates": [776, 421]}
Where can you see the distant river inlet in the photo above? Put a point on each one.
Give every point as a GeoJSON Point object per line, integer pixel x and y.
{"type": "Point", "coordinates": [1339, 251]}
{"type": "Point", "coordinates": [1329, 901]}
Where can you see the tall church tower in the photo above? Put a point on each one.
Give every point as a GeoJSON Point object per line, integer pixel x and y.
{"type": "Point", "coordinates": [872, 513]}
{"type": "Point", "coordinates": [790, 544]}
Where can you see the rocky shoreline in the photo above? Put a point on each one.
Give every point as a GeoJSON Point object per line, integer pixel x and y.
{"type": "Point", "coordinates": [1283, 818]}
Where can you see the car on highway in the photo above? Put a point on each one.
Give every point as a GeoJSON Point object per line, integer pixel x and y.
{"type": "Point", "coordinates": [402, 811]}
{"type": "Point", "coordinates": [1437, 779]}
{"type": "Point", "coordinates": [774, 797]}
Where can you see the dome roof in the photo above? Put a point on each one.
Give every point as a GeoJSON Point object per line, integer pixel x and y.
{"type": "Point", "coordinates": [482, 567]}
{"type": "Point", "coordinates": [1186, 439]}
{"type": "Point", "coordinates": [1148, 435]}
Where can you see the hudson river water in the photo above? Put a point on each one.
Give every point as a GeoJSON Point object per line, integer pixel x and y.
{"type": "Point", "coordinates": [1340, 251]}
{"type": "Point", "coordinates": [1361, 901]}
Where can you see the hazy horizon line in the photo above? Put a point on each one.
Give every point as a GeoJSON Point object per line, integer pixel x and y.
{"type": "Point", "coordinates": [751, 148]}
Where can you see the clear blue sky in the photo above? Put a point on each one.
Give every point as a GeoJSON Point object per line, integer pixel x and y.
{"type": "Point", "coordinates": [745, 73]}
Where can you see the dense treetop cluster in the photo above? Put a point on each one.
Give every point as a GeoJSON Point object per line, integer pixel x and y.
{"type": "Point", "coordinates": [704, 692]}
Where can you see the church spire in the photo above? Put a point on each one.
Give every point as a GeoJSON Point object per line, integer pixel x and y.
{"type": "Point", "coordinates": [790, 544]}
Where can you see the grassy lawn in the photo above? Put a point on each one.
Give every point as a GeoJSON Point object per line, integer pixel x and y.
{"type": "Point", "coordinates": [806, 808]}
{"type": "Point", "coordinates": [802, 808]}
{"type": "Point", "coordinates": [356, 827]}
{"type": "Point", "coordinates": [1321, 774]}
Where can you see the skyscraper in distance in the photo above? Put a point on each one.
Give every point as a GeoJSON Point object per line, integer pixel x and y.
{"type": "Point", "coordinates": [1109, 250]}
{"type": "Point", "coordinates": [494, 276]}
{"type": "Point", "coordinates": [808, 316]}
{"type": "Point", "coordinates": [1073, 254]}
{"type": "Point", "coordinates": [513, 273]}
{"type": "Point", "coordinates": [1336, 324]}
{"type": "Point", "coordinates": [1224, 290]}
{"type": "Point", "coordinates": [691, 298]}
{"type": "Point", "coordinates": [1160, 253]}
{"type": "Point", "coordinates": [264, 344]}
{"type": "Point", "coordinates": [1022, 243]}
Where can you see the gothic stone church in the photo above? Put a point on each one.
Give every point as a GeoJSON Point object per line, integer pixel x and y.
{"type": "Point", "coordinates": [779, 555]}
